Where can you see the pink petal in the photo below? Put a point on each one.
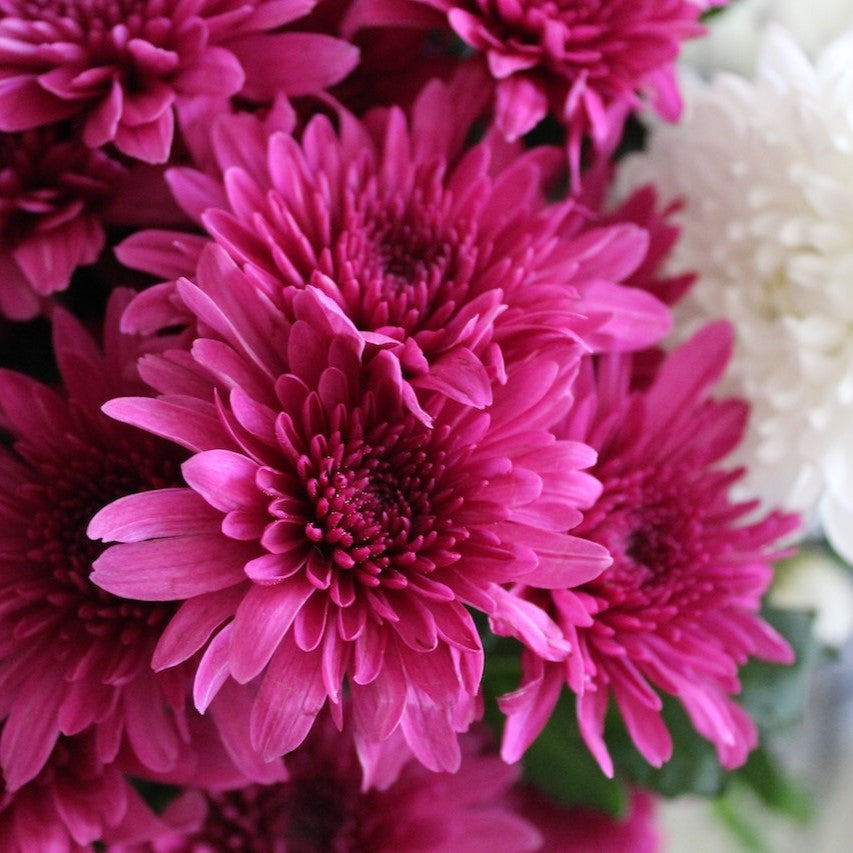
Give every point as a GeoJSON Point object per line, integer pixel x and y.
{"type": "Point", "coordinates": [24, 105]}
{"type": "Point", "coordinates": [528, 709]}
{"type": "Point", "coordinates": [461, 376]}
{"type": "Point", "coordinates": [49, 258]}
{"type": "Point", "coordinates": [196, 619]}
{"type": "Point", "coordinates": [430, 735]}
{"type": "Point", "coordinates": [645, 726]}
{"type": "Point", "coordinates": [636, 319]}
{"type": "Point", "coordinates": [147, 106]}
{"type": "Point", "coordinates": [150, 142]}
{"type": "Point", "coordinates": [564, 561]}
{"type": "Point", "coordinates": [216, 72]}
{"type": "Point", "coordinates": [293, 63]}
{"type": "Point", "coordinates": [263, 618]}
{"type": "Point", "coordinates": [226, 480]}
{"type": "Point", "coordinates": [101, 125]}
{"type": "Point", "coordinates": [149, 725]}
{"type": "Point", "coordinates": [184, 421]}
{"type": "Point", "coordinates": [379, 705]}
{"type": "Point", "coordinates": [290, 697]}
{"type": "Point", "coordinates": [155, 514]}
{"type": "Point", "coordinates": [531, 624]}
{"type": "Point", "coordinates": [31, 729]}
{"type": "Point", "coordinates": [213, 670]}
{"type": "Point", "coordinates": [167, 254]}
{"type": "Point", "coordinates": [171, 569]}
{"type": "Point", "coordinates": [195, 192]}
{"type": "Point", "coordinates": [388, 13]}
{"type": "Point", "coordinates": [520, 106]}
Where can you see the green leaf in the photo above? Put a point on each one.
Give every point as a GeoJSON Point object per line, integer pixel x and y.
{"type": "Point", "coordinates": [559, 763]}
{"type": "Point", "coordinates": [712, 13]}
{"type": "Point", "coordinates": [693, 768]}
{"type": "Point", "coordinates": [774, 695]}
{"type": "Point", "coordinates": [740, 823]}
{"type": "Point", "coordinates": [156, 794]}
{"type": "Point", "coordinates": [775, 789]}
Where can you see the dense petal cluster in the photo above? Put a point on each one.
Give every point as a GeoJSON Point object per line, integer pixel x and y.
{"type": "Point", "coordinates": [586, 62]}
{"type": "Point", "coordinates": [74, 656]}
{"type": "Point", "coordinates": [395, 400]}
{"type": "Point", "coordinates": [52, 191]}
{"type": "Point", "coordinates": [351, 523]}
{"type": "Point", "coordinates": [767, 222]}
{"type": "Point", "coordinates": [121, 65]}
{"type": "Point", "coordinates": [74, 800]}
{"type": "Point", "coordinates": [449, 255]}
{"type": "Point", "coordinates": [677, 612]}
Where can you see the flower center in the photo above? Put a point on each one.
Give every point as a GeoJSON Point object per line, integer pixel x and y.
{"type": "Point", "coordinates": [399, 264]}
{"type": "Point", "coordinates": [377, 504]}
{"type": "Point", "coordinates": [316, 809]}
{"type": "Point", "coordinates": [88, 14]}
{"type": "Point", "coordinates": [651, 521]}
{"type": "Point", "coordinates": [134, 41]}
{"type": "Point", "coordinates": [65, 498]}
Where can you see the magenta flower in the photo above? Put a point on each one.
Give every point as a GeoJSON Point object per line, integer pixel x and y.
{"type": "Point", "coordinates": [123, 65]}
{"type": "Point", "coordinates": [677, 612]}
{"type": "Point", "coordinates": [52, 192]}
{"type": "Point", "coordinates": [74, 656]}
{"type": "Point", "coordinates": [325, 806]}
{"type": "Point", "coordinates": [75, 799]}
{"type": "Point", "coordinates": [587, 61]}
{"type": "Point", "coordinates": [451, 256]}
{"type": "Point", "coordinates": [333, 528]}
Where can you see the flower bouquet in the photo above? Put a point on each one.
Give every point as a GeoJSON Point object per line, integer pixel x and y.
{"type": "Point", "coordinates": [405, 404]}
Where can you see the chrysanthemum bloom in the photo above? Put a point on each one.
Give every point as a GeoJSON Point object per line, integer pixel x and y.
{"type": "Point", "coordinates": [122, 65]}
{"type": "Point", "coordinates": [677, 612]}
{"type": "Point", "coordinates": [451, 256]}
{"type": "Point", "coordinates": [52, 190]}
{"type": "Point", "coordinates": [587, 62]}
{"type": "Point", "coordinates": [334, 528]}
{"type": "Point", "coordinates": [766, 172]}
{"type": "Point", "coordinates": [580, 830]}
{"type": "Point", "coordinates": [73, 656]}
{"type": "Point", "coordinates": [75, 800]}
{"type": "Point", "coordinates": [326, 806]}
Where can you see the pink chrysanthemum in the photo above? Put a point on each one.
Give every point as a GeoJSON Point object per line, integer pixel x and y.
{"type": "Point", "coordinates": [335, 525]}
{"type": "Point", "coordinates": [122, 65]}
{"type": "Point", "coordinates": [52, 189]}
{"type": "Point", "coordinates": [326, 806]}
{"type": "Point", "coordinates": [76, 799]}
{"type": "Point", "coordinates": [677, 611]}
{"type": "Point", "coordinates": [73, 656]}
{"type": "Point", "coordinates": [452, 256]}
{"type": "Point", "coordinates": [586, 61]}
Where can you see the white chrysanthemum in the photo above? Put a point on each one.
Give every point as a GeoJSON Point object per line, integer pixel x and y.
{"type": "Point", "coordinates": [766, 169]}
{"type": "Point", "coordinates": [734, 36]}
